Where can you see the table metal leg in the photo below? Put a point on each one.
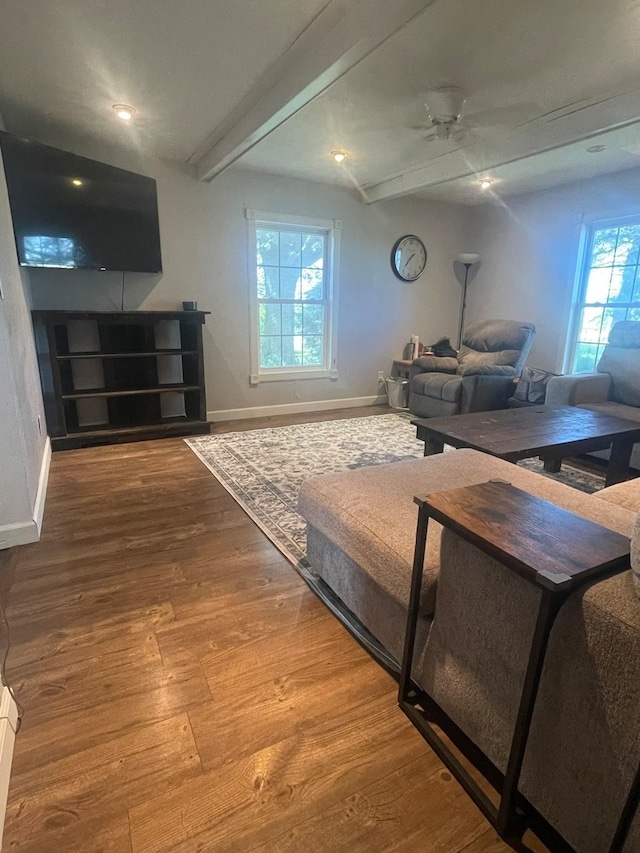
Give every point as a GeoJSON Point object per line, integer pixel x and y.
{"type": "Point", "coordinates": [508, 824]}
{"type": "Point", "coordinates": [414, 604]}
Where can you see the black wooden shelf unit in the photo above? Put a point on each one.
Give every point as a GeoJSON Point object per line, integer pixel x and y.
{"type": "Point", "coordinates": [116, 376]}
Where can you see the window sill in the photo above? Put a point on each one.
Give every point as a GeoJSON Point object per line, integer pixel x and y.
{"type": "Point", "coordinates": [296, 375]}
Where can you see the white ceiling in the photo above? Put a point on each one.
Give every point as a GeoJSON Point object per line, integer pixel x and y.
{"type": "Point", "coordinates": [274, 85]}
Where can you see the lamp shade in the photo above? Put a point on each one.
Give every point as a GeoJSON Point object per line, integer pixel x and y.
{"type": "Point", "coordinates": [468, 258]}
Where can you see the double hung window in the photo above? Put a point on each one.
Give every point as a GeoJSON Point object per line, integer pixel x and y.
{"type": "Point", "coordinates": [608, 289]}
{"type": "Point", "coordinates": [293, 262]}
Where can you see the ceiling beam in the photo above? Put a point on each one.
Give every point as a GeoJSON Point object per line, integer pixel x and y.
{"type": "Point", "coordinates": [341, 36]}
{"type": "Point", "coordinates": [479, 159]}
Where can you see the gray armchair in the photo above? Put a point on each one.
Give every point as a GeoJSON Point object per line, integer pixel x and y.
{"type": "Point", "coordinates": [615, 386]}
{"type": "Point", "coordinates": [480, 379]}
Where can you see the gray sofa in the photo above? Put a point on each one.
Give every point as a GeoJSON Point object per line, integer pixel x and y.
{"type": "Point", "coordinates": [480, 379]}
{"type": "Point", "coordinates": [476, 627]}
{"type": "Point", "coordinates": [615, 386]}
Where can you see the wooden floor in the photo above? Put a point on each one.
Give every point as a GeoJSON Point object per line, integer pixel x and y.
{"type": "Point", "coordinates": [185, 691]}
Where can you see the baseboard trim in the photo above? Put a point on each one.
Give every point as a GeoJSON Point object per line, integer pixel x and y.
{"type": "Point", "coordinates": [8, 726]}
{"type": "Point", "coordinates": [295, 408]}
{"type": "Point", "coordinates": [25, 532]}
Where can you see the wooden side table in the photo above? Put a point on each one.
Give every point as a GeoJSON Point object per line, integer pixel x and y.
{"type": "Point", "coordinates": [549, 547]}
{"type": "Point", "coordinates": [400, 367]}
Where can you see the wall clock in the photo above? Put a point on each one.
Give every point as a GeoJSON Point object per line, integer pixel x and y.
{"type": "Point", "coordinates": [408, 257]}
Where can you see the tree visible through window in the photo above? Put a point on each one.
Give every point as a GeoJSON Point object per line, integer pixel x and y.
{"type": "Point", "coordinates": [291, 297]}
{"type": "Point", "coordinates": [293, 278]}
{"type": "Point", "coordinates": [609, 289]}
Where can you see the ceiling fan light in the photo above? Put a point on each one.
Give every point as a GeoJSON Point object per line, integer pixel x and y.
{"type": "Point", "coordinates": [339, 154]}
{"type": "Point", "coordinates": [485, 183]}
{"type": "Point", "coordinates": [124, 111]}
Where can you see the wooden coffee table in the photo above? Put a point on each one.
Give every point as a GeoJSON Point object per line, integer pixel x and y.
{"type": "Point", "coordinates": [548, 432]}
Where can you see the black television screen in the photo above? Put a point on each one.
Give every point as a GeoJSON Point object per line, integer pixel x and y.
{"type": "Point", "coordinates": [75, 213]}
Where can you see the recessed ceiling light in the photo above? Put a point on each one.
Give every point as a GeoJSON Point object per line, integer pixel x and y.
{"type": "Point", "coordinates": [485, 183]}
{"type": "Point", "coordinates": [76, 182]}
{"type": "Point", "coordinates": [339, 154]}
{"type": "Point", "coordinates": [124, 111]}
{"type": "Point", "coordinates": [596, 149]}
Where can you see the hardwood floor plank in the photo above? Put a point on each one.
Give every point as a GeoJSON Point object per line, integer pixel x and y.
{"type": "Point", "coordinates": [240, 721]}
{"type": "Point", "coordinates": [278, 787]}
{"type": "Point", "coordinates": [128, 769]}
{"type": "Point", "coordinates": [372, 817]}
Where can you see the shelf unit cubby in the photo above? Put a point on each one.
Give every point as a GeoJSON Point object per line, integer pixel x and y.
{"type": "Point", "coordinates": [120, 376]}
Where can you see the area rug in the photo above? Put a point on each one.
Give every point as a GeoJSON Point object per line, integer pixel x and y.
{"type": "Point", "coordinates": [263, 469]}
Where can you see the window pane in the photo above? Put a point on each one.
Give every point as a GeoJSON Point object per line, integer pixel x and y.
{"type": "Point", "coordinates": [291, 297]}
{"type": "Point", "coordinates": [313, 319]}
{"type": "Point", "coordinates": [598, 285]}
{"type": "Point", "coordinates": [636, 286]}
{"type": "Point", "coordinates": [628, 244]}
{"type": "Point", "coordinates": [605, 241]}
{"type": "Point", "coordinates": [312, 284]}
{"type": "Point", "coordinates": [312, 349]}
{"type": "Point", "coordinates": [270, 352]}
{"type": "Point", "coordinates": [290, 249]}
{"type": "Point", "coordinates": [586, 358]}
{"type": "Point", "coordinates": [621, 284]}
{"type": "Point", "coordinates": [591, 325]}
{"type": "Point", "coordinates": [313, 250]}
{"type": "Point", "coordinates": [633, 314]}
{"type": "Point", "coordinates": [268, 282]}
{"type": "Point", "coordinates": [270, 320]}
{"type": "Point", "coordinates": [289, 281]}
{"type": "Point", "coordinates": [267, 244]}
{"type": "Point", "coordinates": [292, 319]}
{"type": "Point", "coordinates": [292, 350]}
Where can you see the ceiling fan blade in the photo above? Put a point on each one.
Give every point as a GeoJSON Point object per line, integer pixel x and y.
{"type": "Point", "coordinates": [507, 116]}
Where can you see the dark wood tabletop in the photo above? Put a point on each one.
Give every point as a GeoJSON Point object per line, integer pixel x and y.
{"type": "Point", "coordinates": [549, 432]}
{"type": "Point", "coordinates": [542, 542]}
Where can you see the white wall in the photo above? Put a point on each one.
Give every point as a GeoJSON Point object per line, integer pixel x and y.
{"type": "Point", "coordinates": [204, 248]}
{"type": "Point", "coordinates": [529, 249]}
{"type": "Point", "coordinates": [22, 446]}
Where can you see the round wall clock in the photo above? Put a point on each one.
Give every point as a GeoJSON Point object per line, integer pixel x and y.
{"type": "Point", "coordinates": [408, 257]}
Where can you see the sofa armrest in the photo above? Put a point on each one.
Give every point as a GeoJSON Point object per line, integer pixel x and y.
{"type": "Point", "coordinates": [573, 390]}
{"type": "Point", "coordinates": [432, 364]}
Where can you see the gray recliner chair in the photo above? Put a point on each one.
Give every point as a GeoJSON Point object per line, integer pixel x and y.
{"type": "Point", "coordinates": [480, 379]}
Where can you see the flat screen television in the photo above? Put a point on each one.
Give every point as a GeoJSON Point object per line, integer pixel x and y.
{"type": "Point", "coordinates": [74, 213]}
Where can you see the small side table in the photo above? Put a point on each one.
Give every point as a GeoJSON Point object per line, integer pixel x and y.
{"type": "Point", "coordinates": [400, 367]}
{"type": "Point", "coordinates": [549, 547]}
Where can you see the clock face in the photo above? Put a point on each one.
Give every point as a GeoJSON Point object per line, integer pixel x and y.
{"type": "Point", "coordinates": [408, 258]}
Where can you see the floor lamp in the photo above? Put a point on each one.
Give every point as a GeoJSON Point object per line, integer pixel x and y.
{"type": "Point", "coordinates": [467, 259]}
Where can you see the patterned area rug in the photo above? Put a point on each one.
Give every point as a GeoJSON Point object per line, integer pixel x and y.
{"type": "Point", "coordinates": [263, 469]}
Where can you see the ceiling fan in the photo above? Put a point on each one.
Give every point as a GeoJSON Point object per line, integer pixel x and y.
{"type": "Point", "coordinates": [447, 119]}
{"type": "Point", "coordinates": [444, 110]}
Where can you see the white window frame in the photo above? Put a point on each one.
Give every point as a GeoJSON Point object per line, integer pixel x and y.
{"type": "Point", "coordinates": [332, 229]}
{"type": "Point", "coordinates": [583, 267]}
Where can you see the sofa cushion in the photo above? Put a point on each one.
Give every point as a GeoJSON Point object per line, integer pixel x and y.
{"type": "Point", "coordinates": [370, 514]}
{"type": "Point", "coordinates": [440, 386]}
{"type": "Point", "coordinates": [626, 495]}
{"type": "Point", "coordinates": [616, 410]}
{"type": "Point", "coordinates": [621, 360]}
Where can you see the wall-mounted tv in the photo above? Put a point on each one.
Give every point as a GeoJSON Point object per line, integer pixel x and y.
{"type": "Point", "coordinates": [74, 213]}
